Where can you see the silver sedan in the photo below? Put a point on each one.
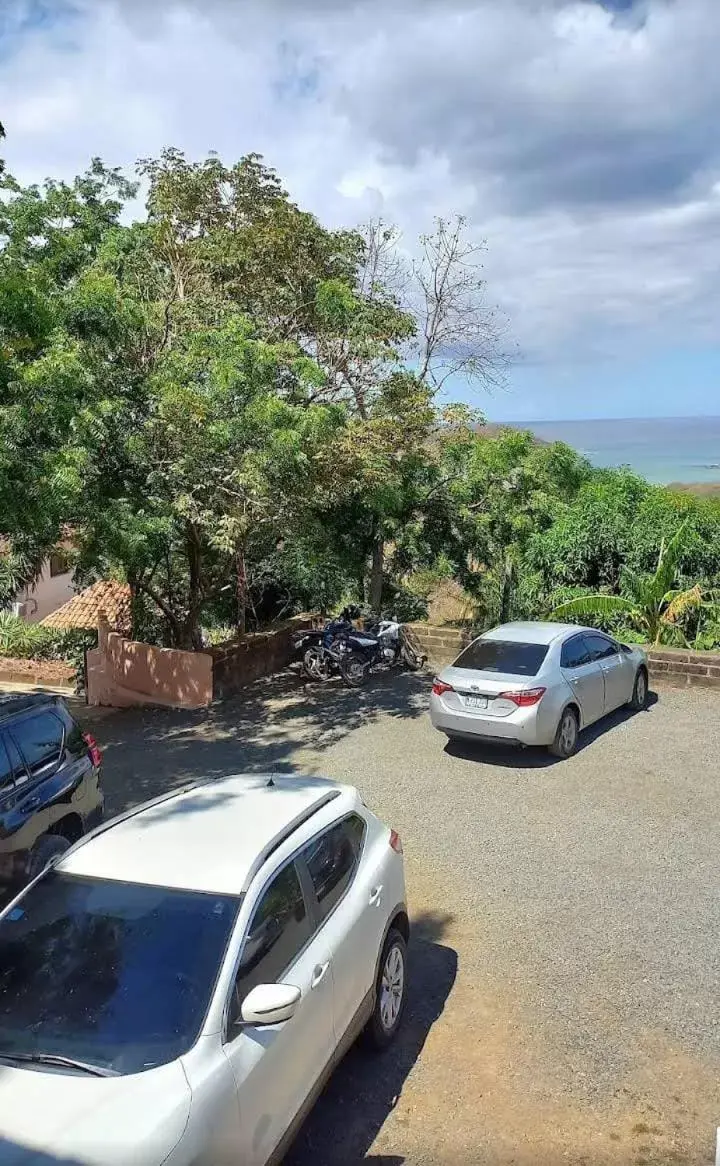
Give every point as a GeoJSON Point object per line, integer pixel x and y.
{"type": "Point", "coordinates": [537, 684]}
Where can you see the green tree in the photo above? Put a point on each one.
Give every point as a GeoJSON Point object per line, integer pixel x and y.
{"type": "Point", "coordinates": [49, 238]}
{"type": "Point", "coordinates": [653, 604]}
{"type": "Point", "coordinates": [502, 491]}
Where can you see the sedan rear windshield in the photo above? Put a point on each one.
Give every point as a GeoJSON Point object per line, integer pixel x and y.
{"type": "Point", "coordinates": [507, 656]}
{"type": "Point", "coordinates": [116, 975]}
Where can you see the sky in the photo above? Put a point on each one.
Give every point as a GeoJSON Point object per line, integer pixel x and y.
{"type": "Point", "coordinates": [580, 139]}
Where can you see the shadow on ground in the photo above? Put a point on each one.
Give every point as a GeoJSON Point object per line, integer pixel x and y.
{"type": "Point", "coordinates": [365, 1088]}
{"type": "Point", "coordinates": [265, 728]}
{"type": "Point", "coordinates": [515, 757]}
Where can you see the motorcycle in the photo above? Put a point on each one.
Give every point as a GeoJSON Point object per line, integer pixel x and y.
{"type": "Point", "coordinates": [382, 645]}
{"type": "Point", "coordinates": [319, 650]}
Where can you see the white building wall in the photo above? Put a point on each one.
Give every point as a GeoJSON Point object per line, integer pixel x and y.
{"type": "Point", "coordinates": [48, 594]}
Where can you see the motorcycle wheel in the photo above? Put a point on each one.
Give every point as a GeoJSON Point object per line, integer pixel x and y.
{"type": "Point", "coordinates": [316, 665]}
{"type": "Point", "coordinates": [354, 670]}
{"type": "Point", "coordinates": [410, 658]}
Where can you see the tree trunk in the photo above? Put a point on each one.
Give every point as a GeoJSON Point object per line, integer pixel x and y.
{"type": "Point", "coordinates": [376, 574]}
{"type": "Point", "coordinates": [241, 593]}
{"type": "Point", "coordinates": [506, 591]}
{"type": "Point", "coordinates": [191, 634]}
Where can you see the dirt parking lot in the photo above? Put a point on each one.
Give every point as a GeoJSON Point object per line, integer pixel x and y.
{"type": "Point", "coordinates": [564, 1005]}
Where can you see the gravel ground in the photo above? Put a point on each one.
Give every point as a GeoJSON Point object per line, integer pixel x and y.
{"type": "Point", "coordinates": [566, 957]}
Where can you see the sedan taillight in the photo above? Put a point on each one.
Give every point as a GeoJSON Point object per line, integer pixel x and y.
{"type": "Point", "coordinates": [524, 699]}
{"type": "Point", "coordinates": [439, 687]}
{"type": "Point", "coordinates": [396, 842]}
{"type": "Point", "coordinates": [93, 749]}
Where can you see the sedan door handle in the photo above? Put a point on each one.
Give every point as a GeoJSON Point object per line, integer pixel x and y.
{"type": "Point", "coordinates": [375, 896]}
{"type": "Point", "coordinates": [319, 974]}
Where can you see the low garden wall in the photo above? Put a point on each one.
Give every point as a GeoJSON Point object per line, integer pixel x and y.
{"type": "Point", "coordinates": [674, 665]}
{"type": "Point", "coordinates": [678, 666]}
{"type": "Point", "coordinates": [122, 673]}
{"type": "Point", "coordinates": [238, 662]}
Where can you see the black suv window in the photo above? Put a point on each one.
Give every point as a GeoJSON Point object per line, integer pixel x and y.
{"type": "Point", "coordinates": [278, 931]}
{"type": "Point", "coordinates": [574, 653]}
{"type": "Point", "coordinates": [6, 769]}
{"type": "Point", "coordinates": [40, 739]}
{"type": "Point", "coordinates": [600, 647]}
{"type": "Point", "coordinates": [11, 763]}
{"type": "Point", "coordinates": [74, 740]}
{"type": "Point", "coordinates": [331, 860]}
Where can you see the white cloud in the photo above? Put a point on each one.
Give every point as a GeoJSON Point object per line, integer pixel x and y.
{"type": "Point", "coordinates": [582, 144]}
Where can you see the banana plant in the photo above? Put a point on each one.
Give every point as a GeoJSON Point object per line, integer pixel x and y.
{"type": "Point", "coordinates": [652, 603]}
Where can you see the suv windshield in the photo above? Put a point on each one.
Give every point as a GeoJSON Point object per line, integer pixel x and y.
{"type": "Point", "coordinates": [114, 974]}
{"type": "Point", "coordinates": [507, 656]}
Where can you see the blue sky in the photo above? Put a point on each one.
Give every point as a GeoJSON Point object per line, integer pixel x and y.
{"type": "Point", "coordinates": [580, 139]}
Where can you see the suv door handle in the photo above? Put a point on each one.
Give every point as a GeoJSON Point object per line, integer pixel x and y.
{"type": "Point", "coordinates": [375, 896]}
{"type": "Point", "coordinates": [319, 974]}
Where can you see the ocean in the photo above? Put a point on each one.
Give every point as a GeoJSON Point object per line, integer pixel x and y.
{"type": "Point", "coordinates": [663, 449]}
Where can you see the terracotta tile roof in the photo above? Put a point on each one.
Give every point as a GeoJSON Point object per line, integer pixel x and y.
{"type": "Point", "coordinates": [82, 611]}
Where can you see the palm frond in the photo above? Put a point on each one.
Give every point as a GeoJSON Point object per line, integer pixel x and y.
{"type": "Point", "coordinates": [678, 603]}
{"type": "Point", "coordinates": [668, 559]}
{"type": "Point", "coordinates": [586, 605]}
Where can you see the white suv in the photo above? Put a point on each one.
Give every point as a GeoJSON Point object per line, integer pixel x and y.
{"type": "Point", "coordinates": [178, 986]}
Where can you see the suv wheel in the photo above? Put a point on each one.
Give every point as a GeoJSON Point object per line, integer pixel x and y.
{"type": "Point", "coordinates": [45, 849]}
{"type": "Point", "coordinates": [390, 992]}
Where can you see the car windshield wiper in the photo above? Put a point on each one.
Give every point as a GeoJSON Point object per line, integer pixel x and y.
{"type": "Point", "coordinates": [58, 1061]}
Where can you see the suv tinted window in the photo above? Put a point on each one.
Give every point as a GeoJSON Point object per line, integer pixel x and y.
{"type": "Point", "coordinates": [600, 647]}
{"type": "Point", "coordinates": [40, 739]}
{"type": "Point", "coordinates": [278, 931]}
{"type": "Point", "coordinates": [508, 656]}
{"type": "Point", "coordinates": [11, 763]}
{"type": "Point", "coordinates": [6, 769]}
{"type": "Point", "coordinates": [574, 653]}
{"type": "Point", "coordinates": [73, 733]}
{"type": "Point", "coordinates": [331, 860]}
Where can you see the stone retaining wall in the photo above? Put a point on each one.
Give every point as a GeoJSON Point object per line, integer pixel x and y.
{"type": "Point", "coordinates": [674, 665]}
{"type": "Point", "coordinates": [239, 662]}
{"type": "Point", "coordinates": [683, 667]}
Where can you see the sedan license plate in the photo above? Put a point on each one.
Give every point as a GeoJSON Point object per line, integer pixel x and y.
{"type": "Point", "coordinates": [475, 702]}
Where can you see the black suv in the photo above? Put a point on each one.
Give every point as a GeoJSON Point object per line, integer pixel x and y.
{"type": "Point", "coordinates": [50, 791]}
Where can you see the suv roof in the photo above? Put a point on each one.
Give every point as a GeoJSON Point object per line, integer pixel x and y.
{"type": "Point", "coordinates": [213, 836]}
{"type": "Point", "coordinates": [12, 703]}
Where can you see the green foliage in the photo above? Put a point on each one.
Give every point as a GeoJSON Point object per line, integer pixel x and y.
{"type": "Point", "coordinates": [27, 641]}
{"type": "Point", "coordinates": [19, 639]}
{"type": "Point", "coordinates": [651, 603]}
{"type": "Point", "coordinates": [234, 409]}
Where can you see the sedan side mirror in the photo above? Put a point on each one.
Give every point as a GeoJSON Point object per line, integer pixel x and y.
{"type": "Point", "coordinates": [270, 1004]}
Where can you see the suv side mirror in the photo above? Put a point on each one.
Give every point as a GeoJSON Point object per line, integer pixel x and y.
{"type": "Point", "coordinates": [270, 1004]}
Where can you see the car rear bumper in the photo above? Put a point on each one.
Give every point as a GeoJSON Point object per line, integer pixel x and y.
{"type": "Point", "coordinates": [522, 727]}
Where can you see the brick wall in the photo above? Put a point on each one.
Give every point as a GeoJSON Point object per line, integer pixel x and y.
{"type": "Point", "coordinates": [239, 662]}
{"type": "Point", "coordinates": [673, 665]}
{"type": "Point", "coordinates": [440, 644]}
{"type": "Point", "coordinates": [678, 666]}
